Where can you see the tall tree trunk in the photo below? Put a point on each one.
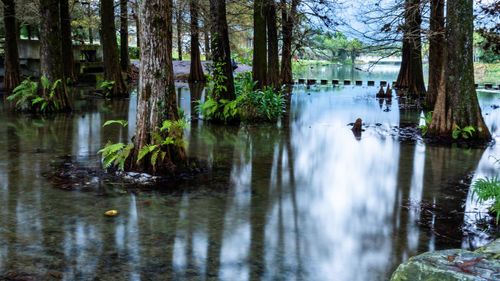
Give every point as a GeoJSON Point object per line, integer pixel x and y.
{"type": "Point", "coordinates": [51, 52]}
{"type": "Point", "coordinates": [196, 70]}
{"type": "Point", "coordinates": [67, 42]}
{"type": "Point", "coordinates": [411, 74]}
{"type": "Point", "coordinates": [179, 32]}
{"type": "Point", "coordinates": [457, 103]}
{"type": "Point", "coordinates": [156, 94]}
{"type": "Point", "coordinates": [112, 71]}
{"type": "Point", "coordinates": [124, 55]}
{"type": "Point", "coordinates": [436, 51]}
{"type": "Point", "coordinates": [221, 52]}
{"type": "Point", "coordinates": [206, 31]}
{"type": "Point", "coordinates": [272, 46]}
{"type": "Point", "coordinates": [12, 76]}
{"type": "Point", "coordinates": [288, 24]}
{"type": "Point", "coordinates": [259, 64]}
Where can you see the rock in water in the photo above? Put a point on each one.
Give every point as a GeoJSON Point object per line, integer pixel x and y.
{"type": "Point", "coordinates": [484, 264]}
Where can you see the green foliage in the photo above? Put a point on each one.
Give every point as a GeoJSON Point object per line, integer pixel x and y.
{"type": "Point", "coordinates": [169, 134]}
{"type": "Point", "coordinates": [463, 132]}
{"type": "Point", "coordinates": [134, 52]}
{"type": "Point", "coordinates": [427, 118]}
{"type": "Point", "coordinates": [27, 96]}
{"type": "Point", "coordinates": [123, 123]}
{"type": "Point", "coordinates": [249, 106]}
{"type": "Point", "coordinates": [115, 154]}
{"type": "Point", "coordinates": [488, 189]}
{"type": "Point", "coordinates": [107, 87]}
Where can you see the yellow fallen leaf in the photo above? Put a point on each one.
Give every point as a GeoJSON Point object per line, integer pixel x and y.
{"type": "Point", "coordinates": [111, 213]}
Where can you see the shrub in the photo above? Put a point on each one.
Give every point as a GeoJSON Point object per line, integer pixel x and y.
{"type": "Point", "coordinates": [250, 105]}
{"type": "Point", "coordinates": [27, 96]}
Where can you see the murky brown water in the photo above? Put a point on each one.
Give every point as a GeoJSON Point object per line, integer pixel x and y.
{"type": "Point", "coordinates": [300, 200]}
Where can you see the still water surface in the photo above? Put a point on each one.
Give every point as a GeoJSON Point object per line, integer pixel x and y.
{"type": "Point", "coordinates": [300, 200]}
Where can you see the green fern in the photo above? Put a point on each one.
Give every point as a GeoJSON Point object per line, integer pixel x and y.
{"type": "Point", "coordinates": [463, 132]}
{"type": "Point", "coordinates": [28, 98]}
{"type": "Point", "coordinates": [488, 189]}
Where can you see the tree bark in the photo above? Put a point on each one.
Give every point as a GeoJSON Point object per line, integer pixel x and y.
{"type": "Point", "coordinates": [259, 64]}
{"type": "Point", "coordinates": [221, 54]}
{"type": "Point", "coordinates": [457, 103]}
{"type": "Point", "coordinates": [288, 24]}
{"type": "Point", "coordinates": [112, 71]}
{"type": "Point", "coordinates": [67, 42]}
{"type": "Point", "coordinates": [437, 44]}
{"type": "Point", "coordinates": [156, 94]}
{"type": "Point", "coordinates": [12, 76]}
{"type": "Point", "coordinates": [124, 54]}
{"type": "Point", "coordinates": [272, 46]}
{"type": "Point", "coordinates": [179, 32]}
{"type": "Point", "coordinates": [206, 30]}
{"type": "Point", "coordinates": [51, 52]}
{"type": "Point", "coordinates": [411, 74]}
{"type": "Point", "coordinates": [196, 70]}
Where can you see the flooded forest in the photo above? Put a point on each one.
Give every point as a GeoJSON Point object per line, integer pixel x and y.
{"type": "Point", "coordinates": [249, 140]}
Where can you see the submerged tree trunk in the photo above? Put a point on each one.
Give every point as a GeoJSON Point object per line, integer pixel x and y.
{"type": "Point", "coordinates": [272, 46]}
{"type": "Point", "coordinates": [457, 103]}
{"type": "Point", "coordinates": [288, 19]}
{"type": "Point", "coordinates": [411, 74]}
{"type": "Point", "coordinates": [437, 44]}
{"type": "Point", "coordinates": [112, 71]}
{"type": "Point", "coordinates": [67, 42]}
{"type": "Point", "coordinates": [196, 70]}
{"type": "Point", "coordinates": [221, 51]}
{"type": "Point", "coordinates": [259, 64]}
{"type": "Point", "coordinates": [12, 76]}
{"type": "Point", "coordinates": [51, 62]}
{"type": "Point", "coordinates": [178, 20]}
{"type": "Point", "coordinates": [124, 55]}
{"type": "Point", "coordinates": [156, 94]}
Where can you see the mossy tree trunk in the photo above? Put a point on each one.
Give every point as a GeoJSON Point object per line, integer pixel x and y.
{"type": "Point", "coordinates": [437, 45]}
{"type": "Point", "coordinates": [112, 71]}
{"type": "Point", "coordinates": [272, 46]}
{"type": "Point", "coordinates": [411, 75]}
{"type": "Point", "coordinates": [221, 52]}
{"type": "Point", "coordinates": [12, 76]}
{"type": "Point", "coordinates": [196, 70]}
{"type": "Point", "coordinates": [457, 103]}
{"type": "Point", "coordinates": [124, 54]}
{"type": "Point", "coordinates": [67, 42]}
{"type": "Point", "coordinates": [51, 60]}
{"type": "Point", "coordinates": [259, 64]}
{"type": "Point", "coordinates": [288, 18]}
{"type": "Point", "coordinates": [156, 94]}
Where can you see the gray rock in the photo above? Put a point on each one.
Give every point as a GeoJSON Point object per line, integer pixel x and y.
{"type": "Point", "coordinates": [483, 264]}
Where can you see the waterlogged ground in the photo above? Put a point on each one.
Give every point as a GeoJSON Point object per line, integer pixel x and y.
{"type": "Point", "coordinates": [300, 200]}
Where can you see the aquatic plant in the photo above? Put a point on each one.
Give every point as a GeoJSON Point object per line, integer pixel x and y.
{"type": "Point", "coordinates": [427, 118]}
{"type": "Point", "coordinates": [27, 95]}
{"type": "Point", "coordinates": [465, 132]}
{"type": "Point", "coordinates": [488, 189]}
{"type": "Point", "coordinates": [250, 105]}
{"type": "Point", "coordinates": [116, 154]}
{"type": "Point", "coordinates": [107, 87]}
